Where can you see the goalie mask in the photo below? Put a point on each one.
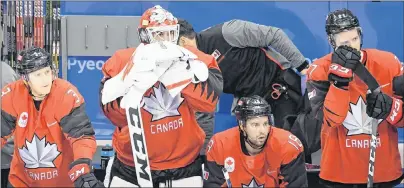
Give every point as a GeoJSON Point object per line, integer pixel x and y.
{"type": "Point", "coordinates": [157, 24]}
{"type": "Point", "coordinates": [255, 120]}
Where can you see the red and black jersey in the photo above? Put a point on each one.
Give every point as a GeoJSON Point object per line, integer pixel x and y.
{"type": "Point", "coordinates": [346, 130]}
{"type": "Point", "coordinates": [281, 163]}
{"type": "Point", "coordinates": [174, 138]}
{"type": "Point", "coordinates": [47, 140]}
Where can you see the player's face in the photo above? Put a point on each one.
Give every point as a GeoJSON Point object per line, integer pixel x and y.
{"type": "Point", "coordinates": [163, 36]}
{"type": "Point", "coordinates": [40, 81]}
{"type": "Point", "coordinates": [350, 38]}
{"type": "Point", "coordinates": [257, 129]}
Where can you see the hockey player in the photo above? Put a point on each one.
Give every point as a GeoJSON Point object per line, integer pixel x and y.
{"type": "Point", "coordinates": [173, 137]}
{"type": "Point", "coordinates": [339, 98]}
{"type": "Point", "coordinates": [54, 139]}
{"type": "Point", "coordinates": [254, 154]}
{"type": "Point", "coordinates": [249, 67]}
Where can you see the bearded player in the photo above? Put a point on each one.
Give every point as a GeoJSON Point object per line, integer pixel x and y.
{"type": "Point", "coordinates": [255, 154]}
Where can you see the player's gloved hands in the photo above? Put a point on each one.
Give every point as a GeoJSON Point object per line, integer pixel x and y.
{"type": "Point", "coordinates": [398, 85]}
{"type": "Point", "coordinates": [340, 76]}
{"type": "Point", "coordinates": [82, 174]}
{"type": "Point", "coordinates": [347, 57]}
{"type": "Point", "coordinates": [382, 106]}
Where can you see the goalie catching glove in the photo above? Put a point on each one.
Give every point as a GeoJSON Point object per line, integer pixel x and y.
{"type": "Point", "coordinates": [81, 173]}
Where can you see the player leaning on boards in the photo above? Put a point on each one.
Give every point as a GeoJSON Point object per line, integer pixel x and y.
{"type": "Point", "coordinates": [173, 138]}
{"type": "Point", "coordinates": [255, 153]}
{"type": "Point", "coordinates": [54, 139]}
{"type": "Point", "coordinates": [339, 98]}
{"type": "Point", "coordinates": [249, 66]}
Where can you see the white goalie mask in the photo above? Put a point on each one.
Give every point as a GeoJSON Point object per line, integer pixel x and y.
{"type": "Point", "coordinates": [157, 24]}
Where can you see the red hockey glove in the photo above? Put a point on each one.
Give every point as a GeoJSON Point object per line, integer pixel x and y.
{"type": "Point", "coordinates": [82, 174]}
{"type": "Point", "coordinates": [340, 76]}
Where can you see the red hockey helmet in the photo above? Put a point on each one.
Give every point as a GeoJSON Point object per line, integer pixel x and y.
{"type": "Point", "coordinates": [157, 24]}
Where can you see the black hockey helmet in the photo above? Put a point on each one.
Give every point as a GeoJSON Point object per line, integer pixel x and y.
{"type": "Point", "coordinates": [339, 21]}
{"type": "Point", "coordinates": [33, 59]}
{"type": "Point", "coordinates": [253, 106]}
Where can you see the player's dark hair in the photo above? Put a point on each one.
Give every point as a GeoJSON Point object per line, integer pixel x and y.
{"type": "Point", "coordinates": [186, 29]}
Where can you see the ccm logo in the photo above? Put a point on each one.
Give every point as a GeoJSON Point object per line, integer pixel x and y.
{"type": "Point", "coordinates": [340, 68]}
{"type": "Point", "coordinates": [76, 174]}
{"type": "Point", "coordinates": [395, 111]}
{"type": "Point", "coordinates": [140, 147]}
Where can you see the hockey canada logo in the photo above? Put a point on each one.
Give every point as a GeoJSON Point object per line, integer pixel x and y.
{"type": "Point", "coordinates": [23, 120]}
{"type": "Point", "coordinates": [38, 153]}
{"type": "Point", "coordinates": [162, 104]}
{"type": "Point", "coordinates": [229, 164]}
{"type": "Point", "coordinates": [357, 121]}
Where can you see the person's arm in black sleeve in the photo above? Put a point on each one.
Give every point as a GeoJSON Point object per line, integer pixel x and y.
{"type": "Point", "coordinates": [240, 33]}
{"type": "Point", "coordinates": [293, 169]}
{"type": "Point", "coordinates": [8, 114]}
{"type": "Point", "coordinates": [206, 121]}
{"type": "Point", "coordinates": [398, 85]}
{"type": "Point", "coordinates": [213, 174]}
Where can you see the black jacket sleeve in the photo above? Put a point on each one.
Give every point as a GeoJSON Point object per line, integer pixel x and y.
{"type": "Point", "coordinates": [294, 173]}
{"type": "Point", "coordinates": [212, 172]}
{"type": "Point", "coordinates": [213, 175]}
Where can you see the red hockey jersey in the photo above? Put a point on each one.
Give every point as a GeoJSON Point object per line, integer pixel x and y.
{"type": "Point", "coordinates": [174, 138]}
{"type": "Point", "coordinates": [44, 139]}
{"type": "Point", "coordinates": [346, 130]}
{"type": "Point", "coordinates": [280, 163]}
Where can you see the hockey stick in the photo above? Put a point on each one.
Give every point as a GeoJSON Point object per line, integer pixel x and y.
{"type": "Point", "coordinates": [373, 86]}
{"type": "Point", "coordinates": [138, 142]}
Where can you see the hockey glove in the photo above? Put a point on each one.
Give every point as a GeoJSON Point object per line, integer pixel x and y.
{"type": "Point", "coordinates": [82, 174]}
{"type": "Point", "coordinates": [340, 76]}
{"type": "Point", "coordinates": [398, 85]}
{"type": "Point", "coordinates": [382, 106]}
{"type": "Point", "coordinates": [347, 57]}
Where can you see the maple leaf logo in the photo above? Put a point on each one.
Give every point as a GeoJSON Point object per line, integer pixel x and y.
{"type": "Point", "coordinates": [253, 183]}
{"type": "Point", "coordinates": [357, 121]}
{"type": "Point", "coordinates": [38, 153]}
{"type": "Point", "coordinates": [162, 104]}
